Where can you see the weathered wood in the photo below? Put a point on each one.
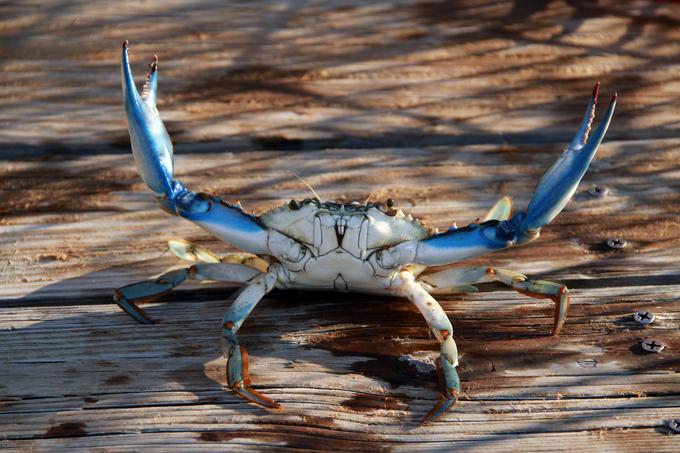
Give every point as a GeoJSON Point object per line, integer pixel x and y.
{"type": "Point", "coordinates": [442, 106]}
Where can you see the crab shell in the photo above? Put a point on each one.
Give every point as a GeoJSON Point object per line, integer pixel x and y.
{"type": "Point", "coordinates": [339, 243]}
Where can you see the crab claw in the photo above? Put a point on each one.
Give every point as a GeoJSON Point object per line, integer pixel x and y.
{"type": "Point", "coordinates": [151, 145]}
{"type": "Point", "coordinates": [559, 183]}
{"type": "Point", "coordinates": [553, 192]}
{"type": "Point", "coordinates": [152, 150]}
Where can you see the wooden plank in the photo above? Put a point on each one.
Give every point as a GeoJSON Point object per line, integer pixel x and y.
{"type": "Point", "coordinates": [442, 107]}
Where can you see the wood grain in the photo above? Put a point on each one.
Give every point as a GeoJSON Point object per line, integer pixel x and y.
{"type": "Point", "coordinates": [442, 106]}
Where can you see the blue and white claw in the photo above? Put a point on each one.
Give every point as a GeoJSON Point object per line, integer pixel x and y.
{"type": "Point", "coordinates": [552, 193]}
{"type": "Point", "coordinates": [559, 183]}
{"type": "Point", "coordinates": [152, 150]}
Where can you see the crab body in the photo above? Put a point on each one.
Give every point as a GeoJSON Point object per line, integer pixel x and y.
{"type": "Point", "coordinates": [341, 243]}
{"type": "Point", "coordinates": [365, 247]}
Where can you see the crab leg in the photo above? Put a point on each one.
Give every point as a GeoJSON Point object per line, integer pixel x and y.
{"type": "Point", "coordinates": [238, 377]}
{"type": "Point", "coordinates": [551, 195]}
{"type": "Point", "coordinates": [129, 296]}
{"type": "Point", "coordinates": [152, 150]}
{"type": "Point", "coordinates": [454, 279]}
{"type": "Point", "coordinates": [441, 328]}
{"type": "Point", "coordinates": [189, 251]}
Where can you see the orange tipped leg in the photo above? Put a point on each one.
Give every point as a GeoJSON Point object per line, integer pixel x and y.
{"type": "Point", "coordinates": [129, 296]}
{"type": "Point", "coordinates": [238, 377]}
{"type": "Point", "coordinates": [441, 327]}
{"type": "Point", "coordinates": [439, 409]}
{"type": "Point", "coordinates": [541, 289]}
{"type": "Point", "coordinates": [453, 280]}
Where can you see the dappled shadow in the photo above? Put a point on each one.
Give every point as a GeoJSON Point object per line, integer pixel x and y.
{"type": "Point", "coordinates": [388, 83]}
{"type": "Point", "coordinates": [256, 91]}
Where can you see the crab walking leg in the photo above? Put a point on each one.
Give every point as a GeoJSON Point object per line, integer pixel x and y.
{"type": "Point", "coordinates": [129, 296]}
{"type": "Point", "coordinates": [238, 377]}
{"type": "Point", "coordinates": [189, 251]}
{"type": "Point", "coordinates": [441, 328]}
{"type": "Point", "coordinates": [442, 282]}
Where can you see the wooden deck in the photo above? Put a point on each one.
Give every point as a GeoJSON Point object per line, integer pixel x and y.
{"type": "Point", "coordinates": [442, 106]}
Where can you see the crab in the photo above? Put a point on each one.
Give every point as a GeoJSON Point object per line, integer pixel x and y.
{"type": "Point", "coordinates": [359, 247]}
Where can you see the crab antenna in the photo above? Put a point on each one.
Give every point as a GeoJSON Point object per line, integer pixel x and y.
{"type": "Point", "coordinates": [306, 184]}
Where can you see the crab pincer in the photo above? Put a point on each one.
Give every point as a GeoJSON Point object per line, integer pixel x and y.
{"type": "Point", "coordinates": [151, 145]}
{"type": "Point", "coordinates": [153, 154]}
{"type": "Point", "coordinates": [559, 183]}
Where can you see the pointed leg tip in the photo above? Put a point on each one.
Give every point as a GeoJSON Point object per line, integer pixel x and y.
{"type": "Point", "coordinates": [248, 393]}
{"type": "Point", "coordinates": [442, 406]}
{"type": "Point", "coordinates": [615, 97]}
{"type": "Point", "coordinates": [126, 44]}
{"type": "Point", "coordinates": [562, 303]}
{"type": "Point", "coordinates": [131, 308]}
{"type": "Point", "coordinates": [134, 311]}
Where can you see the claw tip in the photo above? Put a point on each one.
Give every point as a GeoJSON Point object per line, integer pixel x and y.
{"type": "Point", "coordinates": [596, 89]}
{"type": "Point", "coordinates": [154, 64]}
{"type": "Point", "coordinates": [615, 97]}
{"type": "Point", "coordinates": [125, 44]}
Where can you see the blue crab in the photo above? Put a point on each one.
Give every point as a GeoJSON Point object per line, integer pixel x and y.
{"type": "Point", "coordinates": [364, 247]}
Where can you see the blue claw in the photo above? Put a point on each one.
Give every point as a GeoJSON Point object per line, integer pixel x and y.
{"type": "Point", "coordinates": [551, 196]}
{"type": "Point", "coordinates": [152, 150]}
{"type": "Point", "coordinates": [151, 143]}
{"type": "Point", "coordinates": [559, 183]}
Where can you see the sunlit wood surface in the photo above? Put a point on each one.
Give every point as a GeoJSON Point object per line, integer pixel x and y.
{"type": "Point", "coordinates": [442, 106]}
